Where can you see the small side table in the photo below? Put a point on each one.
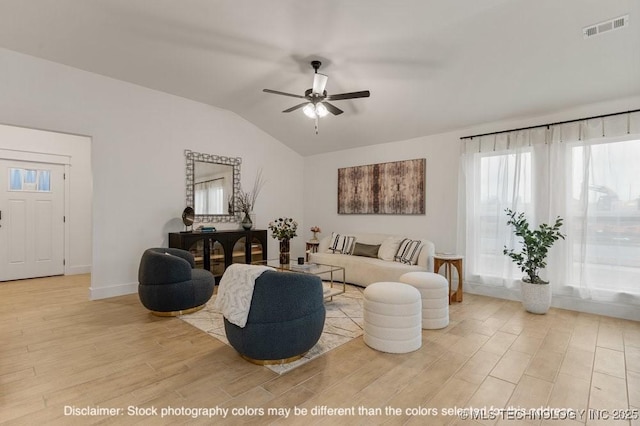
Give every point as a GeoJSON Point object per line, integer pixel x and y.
{"type": "Point", "coordinates": [312, 247]}
{"type": "Point", "coordinates": [450, 260]}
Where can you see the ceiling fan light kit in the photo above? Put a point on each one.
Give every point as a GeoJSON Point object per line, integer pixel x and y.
{"type": "Point", "coordinates": [317, 110]}
{"type": "Point", "coordinates": [316, 105]}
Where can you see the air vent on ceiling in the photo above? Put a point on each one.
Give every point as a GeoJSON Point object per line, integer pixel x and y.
{"type": "Point", "coordinates": [603, 27]}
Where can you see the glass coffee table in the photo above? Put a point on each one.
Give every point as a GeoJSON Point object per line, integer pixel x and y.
{"type": "Point", "coordinates": [329, 274]}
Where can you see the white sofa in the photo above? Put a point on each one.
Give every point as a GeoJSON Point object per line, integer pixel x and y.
{"type": "Point", "coordinates": [362, 270]}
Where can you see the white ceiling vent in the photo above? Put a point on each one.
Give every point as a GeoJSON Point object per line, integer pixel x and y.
{"type": "Point", "coordinates": [603, 27]}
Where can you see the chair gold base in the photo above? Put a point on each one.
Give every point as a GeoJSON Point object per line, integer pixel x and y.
{"type": "Point", "coordinates": [273, 361]}
{"type": "Point", "coordinates": [177, 313]}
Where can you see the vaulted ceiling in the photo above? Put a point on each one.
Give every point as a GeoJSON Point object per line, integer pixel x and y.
{"type": "Point", "coordinates": [431, 65]}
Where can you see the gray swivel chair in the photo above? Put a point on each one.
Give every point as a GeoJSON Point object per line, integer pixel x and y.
{"type": "Point", "coordinates": [169, 285]}
{"type": "Point", "coordinates": [285, 320]}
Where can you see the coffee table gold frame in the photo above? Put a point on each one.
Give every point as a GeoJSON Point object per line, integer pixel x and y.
{"type": "Point", "coordinates": [325, 272]}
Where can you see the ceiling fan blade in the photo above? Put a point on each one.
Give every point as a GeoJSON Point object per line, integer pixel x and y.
{"type": "Point", "coordinates": [275, 92]}
{"type": "Point", "coordinates": [319, 83]}
{"type": "Point", "coordinates": [351, 95]}
{"type": "Point", "coordinates": [293, 108]}
{"type": "Point", "coordinates": [332, 108]}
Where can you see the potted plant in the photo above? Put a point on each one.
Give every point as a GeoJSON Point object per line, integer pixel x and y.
{"type": "Point", "coordinates": [283, 229]}
{"type": "Point", "coordinates": [247, 201]}
{"type": "Point", "coordinates": [531, 258]}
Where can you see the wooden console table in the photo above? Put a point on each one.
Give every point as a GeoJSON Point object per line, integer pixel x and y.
{"type": "Point", "coordinates": [449, 261]}
{"type": "Point", "coordinates": [215, 251]}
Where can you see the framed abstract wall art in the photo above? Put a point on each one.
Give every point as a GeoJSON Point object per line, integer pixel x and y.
{"type": "Point", "coordinates": [386, 188]}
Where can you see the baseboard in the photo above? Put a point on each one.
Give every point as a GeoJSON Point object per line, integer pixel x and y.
{"type": "Point", "coordinates": [112, 291]}
{"type": "Point", "coordinates": [78, 270]}
{"type": "Point", "coordinates": [609, 309]}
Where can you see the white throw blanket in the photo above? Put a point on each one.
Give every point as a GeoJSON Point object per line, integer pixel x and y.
{"type": "Point", "coordinates": [236, 290]}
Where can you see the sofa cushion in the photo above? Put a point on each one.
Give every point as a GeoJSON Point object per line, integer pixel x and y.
{"type": "Point", "coordinates": [367, 250]}
{"type": "Point", "coordinates": [342, 244]}
{"type": "Point", "coordinates": [408, 251]}
{"type": "Point", "coordinates": [389, 248]}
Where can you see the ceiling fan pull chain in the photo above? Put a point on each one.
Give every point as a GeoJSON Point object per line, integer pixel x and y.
{"type": "Point", "coordinates": [317, 123]}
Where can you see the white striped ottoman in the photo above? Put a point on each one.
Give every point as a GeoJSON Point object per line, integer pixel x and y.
{"type": "Point", "coordinates": [392, 317]}
{"type": "Point", "coordinates": [434, 290]}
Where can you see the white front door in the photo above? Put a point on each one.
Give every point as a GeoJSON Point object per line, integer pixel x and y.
{"type": "Point", "coordinates": [31, 219]}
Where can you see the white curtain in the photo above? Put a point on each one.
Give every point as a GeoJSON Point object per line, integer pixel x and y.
{"type": "Point", "coordinates": [209, 197]}
{"type": "Point", "coordinates": [586, 172]}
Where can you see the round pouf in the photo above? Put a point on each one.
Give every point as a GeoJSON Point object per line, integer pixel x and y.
{"type": "Point", "coordinates": [434, 290]}
{"type": "Point", "coordinates": [392, 317]}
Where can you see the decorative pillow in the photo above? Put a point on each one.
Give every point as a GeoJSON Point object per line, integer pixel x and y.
{"type": "Point", "coordinates": [408, 251]}
{"type": "Point", "coordinates": [389, 248]}
{"type": "Point", "coordinates": [341, 243]}
{"type": "Point", "coordinates": [366, 250]}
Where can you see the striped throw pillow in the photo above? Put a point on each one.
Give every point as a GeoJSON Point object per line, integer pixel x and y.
{"type": "Point", "coordinates": [341, 243]}
{"type": "Point", "coordinates": [408, 251]}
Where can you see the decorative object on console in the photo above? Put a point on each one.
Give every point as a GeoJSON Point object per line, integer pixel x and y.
{"type": "Point", "coordinates": [316, 230]}
{"type": "Point", "coordinates": [283, 229]}
{"type": "Point", "coordinates": [188, 215]}
{"type": "Point", "coordinates": [536, 293]}
{"type": "Point", "coordinates": [387, 188]}
{"type": "Point", "coordinates": [246, 223]}
{"type": "Point", "coordinates": [247, 200]}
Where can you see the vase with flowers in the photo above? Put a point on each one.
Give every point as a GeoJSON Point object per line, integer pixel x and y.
{"type": "Point", "coordinates": [283, 229]}
{"type": "Point", "coordinates": [247, 201]}
{"type": "Point", "coordinates": [316, 230]}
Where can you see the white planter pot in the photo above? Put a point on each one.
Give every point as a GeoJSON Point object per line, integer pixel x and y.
{"type": "Point", "coordinates": [536, 298]}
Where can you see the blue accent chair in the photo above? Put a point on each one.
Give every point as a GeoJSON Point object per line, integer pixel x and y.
{"type": "Point", "coordinates": [285, 320]}
{"type": "Point", "coordinates": [169, 285]}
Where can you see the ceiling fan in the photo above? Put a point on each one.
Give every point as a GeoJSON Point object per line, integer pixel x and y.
{"type": "Point", "coordinates": [316, 105]}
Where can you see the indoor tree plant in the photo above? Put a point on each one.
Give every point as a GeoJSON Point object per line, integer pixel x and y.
{"type": "Point", "coordinates": [531, 258]}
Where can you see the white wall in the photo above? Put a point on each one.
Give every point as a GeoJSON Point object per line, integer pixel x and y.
{"type": "Point", "coordinates": [139, 137]}
{"type": "Point", "coordinates": [439, 224]}
{"type": "Point", "coordinates": [321, 182]}
{"type": "Point", "coordinates": [27, 144]}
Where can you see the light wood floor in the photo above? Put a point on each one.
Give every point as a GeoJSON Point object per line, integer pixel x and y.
{"type": "Point", "coordinates": [59, 349]}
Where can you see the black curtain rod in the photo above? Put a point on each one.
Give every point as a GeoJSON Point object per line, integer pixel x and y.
{"type": "Point", "coordinates": [550, 124]}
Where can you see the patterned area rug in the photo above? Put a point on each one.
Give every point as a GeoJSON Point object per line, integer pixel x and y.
{"type": "Point", "coordinates": [343, 323]}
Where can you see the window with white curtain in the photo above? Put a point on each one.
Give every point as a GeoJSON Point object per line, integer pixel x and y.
{"type": "Point", "coordinates": [603, 216]}
{"type": "Point", "coordinates": [585, 172]}
{"type": "Point", "coordinates": [497, 190]}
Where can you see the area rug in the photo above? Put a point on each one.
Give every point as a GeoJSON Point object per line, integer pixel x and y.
{"type": "Point", "coordinates": [343, 323]}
